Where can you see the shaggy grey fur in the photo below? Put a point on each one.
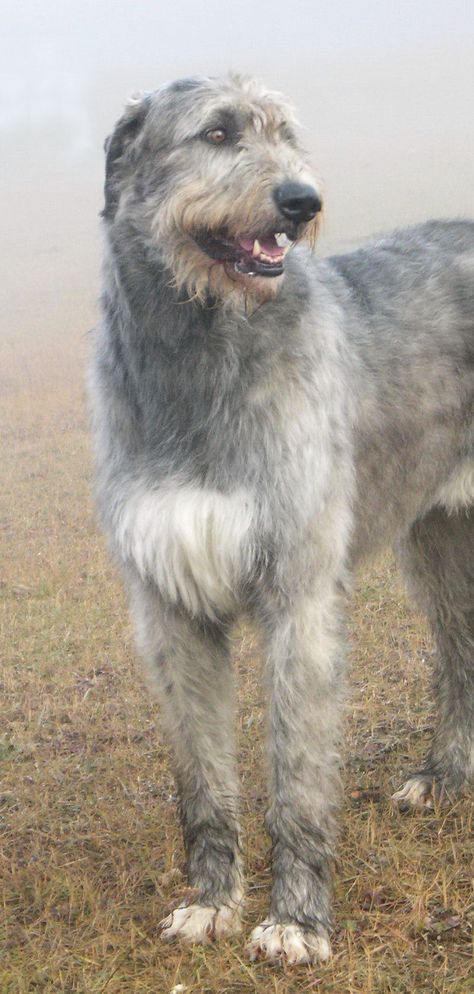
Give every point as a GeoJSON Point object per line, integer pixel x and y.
{"type": "Point", "coordinates": [250, 450]}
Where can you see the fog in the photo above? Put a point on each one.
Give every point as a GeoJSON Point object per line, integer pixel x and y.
{"type": "Point", "coordinates": [384, 90]}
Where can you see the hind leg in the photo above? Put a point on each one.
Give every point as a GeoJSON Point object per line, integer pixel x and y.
{"type": "Point", "coordinates": [438, 557]}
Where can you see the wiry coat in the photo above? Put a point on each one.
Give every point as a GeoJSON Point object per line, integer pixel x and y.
{"type": "Point", "coordinates": [251, 447]}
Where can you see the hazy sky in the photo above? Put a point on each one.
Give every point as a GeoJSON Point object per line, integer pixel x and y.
{"type": "Point", "coordinates": [60, 57]}
{"type": "Point", "coordinates": [64, 36]}
{"type": "Point", "coordinates": [384, 89]}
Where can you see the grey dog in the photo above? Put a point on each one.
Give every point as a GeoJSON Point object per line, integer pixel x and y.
{"type": "Point", "coordinates": [264, 420]}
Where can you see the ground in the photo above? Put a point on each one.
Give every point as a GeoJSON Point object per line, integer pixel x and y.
{"type": "Point", "coordinates": [91, 855]}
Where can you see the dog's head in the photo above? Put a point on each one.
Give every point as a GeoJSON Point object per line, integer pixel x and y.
{"type": "Point", "coordinates": [210, 173]}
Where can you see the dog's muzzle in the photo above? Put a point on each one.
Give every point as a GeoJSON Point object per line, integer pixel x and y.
{"type": "Point", "coordinates": [263, 253]}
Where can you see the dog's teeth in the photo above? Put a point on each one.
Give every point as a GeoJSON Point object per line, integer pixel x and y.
{"type": "Point", "coordinates": [256, 248]}
{"type": "Point", "coordinates": [271, 258]}
{"type": "Point", "coordinates": [282, 240]}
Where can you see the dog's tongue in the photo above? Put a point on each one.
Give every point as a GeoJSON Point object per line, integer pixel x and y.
{"type": "Point", "coordinates": [267, 245]}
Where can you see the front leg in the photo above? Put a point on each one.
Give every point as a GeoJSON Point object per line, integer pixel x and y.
{"type": "Point", "coordinates": [190, 661]}
{"type": "Point", "coordinates": [305, 673]}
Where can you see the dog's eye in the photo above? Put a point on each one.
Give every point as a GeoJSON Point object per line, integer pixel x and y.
{"type": "Point", "coordinates": [287, 134]}
{"type": "Point", "coordinates": [216, 136]}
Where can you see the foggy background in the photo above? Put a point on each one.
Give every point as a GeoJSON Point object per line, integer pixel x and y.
{"type": "Point", "coordinates": [385, 91]}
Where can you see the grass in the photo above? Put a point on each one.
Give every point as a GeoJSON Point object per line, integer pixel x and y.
{"type": "Point", "coordinates": [91, 855]}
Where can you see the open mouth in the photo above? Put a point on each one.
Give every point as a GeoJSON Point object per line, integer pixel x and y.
{"type": "Point", "coordinates": [263, 256]}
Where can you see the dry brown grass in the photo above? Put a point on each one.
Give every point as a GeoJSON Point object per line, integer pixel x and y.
{"type": "Point", "coordinates": [91, 855]}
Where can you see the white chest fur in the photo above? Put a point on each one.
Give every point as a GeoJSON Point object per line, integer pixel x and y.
{"type": "Point", "coordinates": [194, 543]}
{"type": "Point", "coordinates": [458, 491]}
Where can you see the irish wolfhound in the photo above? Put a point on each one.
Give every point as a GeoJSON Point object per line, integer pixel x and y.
{"type": "Point", "coordinates": [264, 420]}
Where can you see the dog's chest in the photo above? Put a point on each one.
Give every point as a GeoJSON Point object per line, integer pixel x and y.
{"type": "Point", "coordinates": [196, 544]}
{"type": "Point", "coordinates": [266, 464]}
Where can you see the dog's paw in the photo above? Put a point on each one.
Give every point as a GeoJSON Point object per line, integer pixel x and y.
{"type": "Point", "coordinates": [280, 942]}
{"type": "Point", "coordinates": [415, 795]}
{"type": "Point", "coordinates": [197, 923]}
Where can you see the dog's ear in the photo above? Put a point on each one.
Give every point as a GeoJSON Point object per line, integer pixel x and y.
{"type": "Point", "coordinates": [118, 145]}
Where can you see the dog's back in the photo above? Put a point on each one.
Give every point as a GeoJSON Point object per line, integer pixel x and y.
{"type": "Point", "coordinates": [410, 332]}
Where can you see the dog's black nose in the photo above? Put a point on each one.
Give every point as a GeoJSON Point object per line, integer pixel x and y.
{"type": "Point", "coordinates": [297, 201]}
